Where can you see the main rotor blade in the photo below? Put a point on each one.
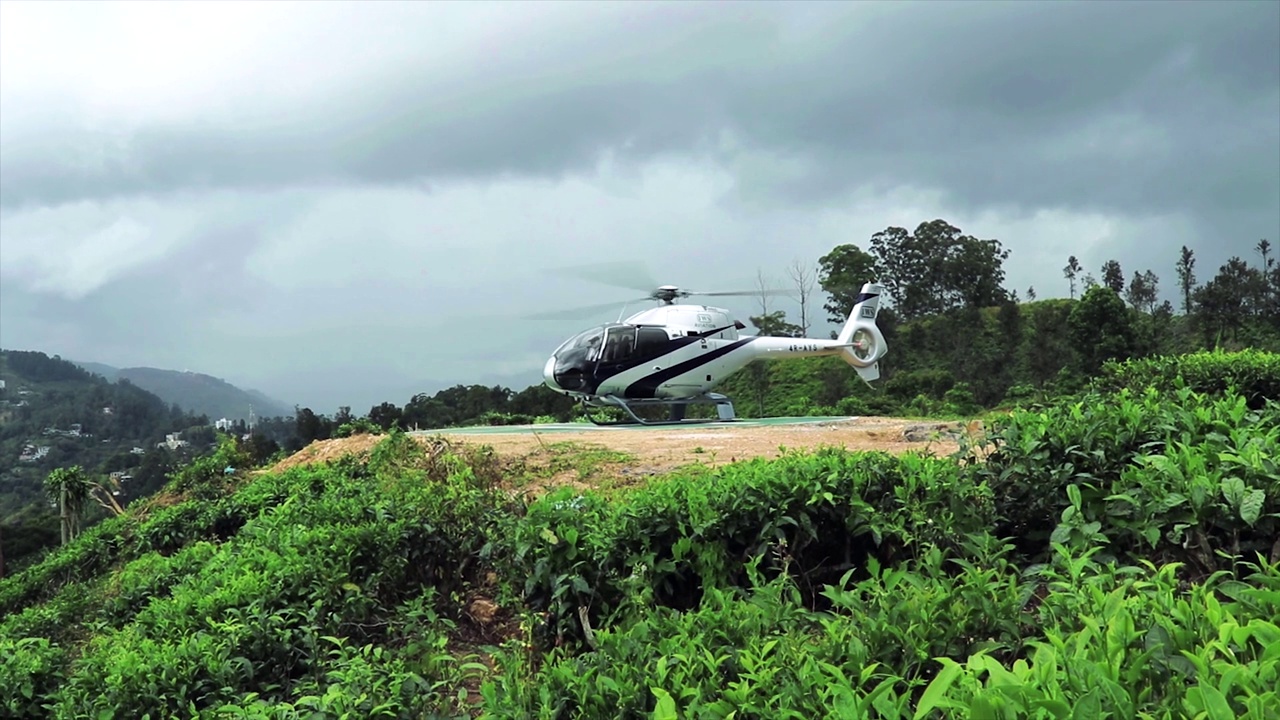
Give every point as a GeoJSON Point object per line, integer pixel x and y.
{"type": "Point", "coordinates": [770, 292]}
{"type": "Point", "coordinates": [582, 311]}
{"type": "Point", "coordinates": [623, 273]}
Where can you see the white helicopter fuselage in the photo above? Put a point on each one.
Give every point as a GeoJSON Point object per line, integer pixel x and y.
{"type": "Point", "coordinates": [681, 351]}
{"type": "Point", "coordinates": [698, 368]}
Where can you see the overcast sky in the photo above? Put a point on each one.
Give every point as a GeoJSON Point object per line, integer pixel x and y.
{"type": "Point", "coordinates": [340, 204]}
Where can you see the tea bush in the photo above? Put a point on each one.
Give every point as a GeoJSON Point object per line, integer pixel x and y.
{"type": "Point", "coordinates": [1253, 374]}
{"type": "Point", "coordinates": [824, 512]}
{"type": "Point", "coordinates": [919, 641]}
{"type": "Point", "coordinates": [1147, 472]}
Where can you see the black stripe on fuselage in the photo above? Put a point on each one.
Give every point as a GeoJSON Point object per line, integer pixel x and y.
{"type": "Point", "coordinates": [604, 371]}
{"type": "Point", "coordinates": [647, 386]}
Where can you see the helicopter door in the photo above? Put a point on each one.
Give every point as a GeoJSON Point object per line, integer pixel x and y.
{"type": "Point", "coordinates": [650, 342]}
{"type": "Point", "coordinates": [619, 345]}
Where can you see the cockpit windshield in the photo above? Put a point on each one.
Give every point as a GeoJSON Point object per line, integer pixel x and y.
{"type": "Point", "coordinates": [607, 346]}
{"type": "Point", "coordinates": [575, 357]}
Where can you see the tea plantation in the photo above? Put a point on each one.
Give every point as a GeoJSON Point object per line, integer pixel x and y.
{"type": "Point", "coordinates": [1115, 554]}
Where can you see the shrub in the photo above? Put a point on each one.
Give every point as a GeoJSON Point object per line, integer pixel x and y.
{"type": "Point", "coordinates": [1254, 374]}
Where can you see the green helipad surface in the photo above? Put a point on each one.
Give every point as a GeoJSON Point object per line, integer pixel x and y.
{"type": "Point", "coordinates": [586, 426]}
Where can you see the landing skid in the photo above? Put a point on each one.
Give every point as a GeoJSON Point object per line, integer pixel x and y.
{"type": "Point", "coordinates": [724, 408]}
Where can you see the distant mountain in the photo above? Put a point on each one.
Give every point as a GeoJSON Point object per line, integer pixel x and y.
{"type": "Point", "coordinates": [105, 371]}
{"type": "Point", "coordinates": [195, 392]}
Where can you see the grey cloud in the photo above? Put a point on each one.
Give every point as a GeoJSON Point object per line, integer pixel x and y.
{"type": "Point", "coordinates": [975, 99]}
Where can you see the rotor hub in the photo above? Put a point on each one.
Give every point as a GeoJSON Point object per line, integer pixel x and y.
{"type": "Point", "coordinates": [667, 293]}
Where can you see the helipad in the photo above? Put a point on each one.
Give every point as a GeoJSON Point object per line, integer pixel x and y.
{"type": "Point", "coordinates": [588, 427]}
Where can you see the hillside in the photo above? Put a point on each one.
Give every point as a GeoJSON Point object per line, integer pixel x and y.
{"type": "Point", "coordinates": [196, 393]}
{"type": "Point", "coordinates": [54, 414]}
{"type": "Point", "coordinates": [1112, 554]}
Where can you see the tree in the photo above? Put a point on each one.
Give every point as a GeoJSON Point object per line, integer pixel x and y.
{"type": "Point", "coordinates": [758, 373]}
{"type": "Point", "coordinates": [763, 287]}
{"type": "Point", "coordinates": [1143, 291]}
{"type": "Point", "coordinates": [1223, 302]}
{"type": "Point", "coordinates": [1186, 277]}
{"type": "Point", "coordinates": [310, 426]}
{"type": "Point", "coordinates": [1263, 248]}
{"type": "Point", "coordinates": [1273, 308]}
{"type": "Point", "coordinates": [938, 268]}
{"type": "Point", "coordinates": [841, 274]}
{"type": "Point", "coordinates": [1049, 348]}
{"type": "Point", "coordinates": [1100, 328]}
{"type": "Point", "coordinates": [69, 487]}
{"type": "Point", "coordinates": [803, 278]}
{"type": "Point", "coordinates": [1070, 272]}
{"type": "Point", "coordinates": [1113, 276]}
{"type": "Point", "coordinates": [1031, 293]}
{"type": "Point", "coordinates": [775, 325]}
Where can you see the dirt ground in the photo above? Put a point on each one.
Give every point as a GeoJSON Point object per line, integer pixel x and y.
{"type": "Point", "coordinates": [594, 457]}
{"type": "Point", "coordinates": [668, 448]}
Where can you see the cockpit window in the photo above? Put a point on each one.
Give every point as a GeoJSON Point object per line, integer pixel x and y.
{"type": "Point", "coordinates": [650, 342]}
{"type": "Point", "coordinates": [627, 343]}
{"type": "Point", "coordinates": [618, 344]}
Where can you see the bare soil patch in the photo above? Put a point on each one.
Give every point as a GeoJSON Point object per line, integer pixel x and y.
{"type": "Point", "coordinates": [323, 451]}
{"type": "Point", "coordinates": [594, 457]}
{"type": "Point", "coordinates": [715, 445]}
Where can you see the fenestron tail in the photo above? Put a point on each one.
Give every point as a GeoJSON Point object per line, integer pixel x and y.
{"type": "Point", "coordinates": [867, 344]}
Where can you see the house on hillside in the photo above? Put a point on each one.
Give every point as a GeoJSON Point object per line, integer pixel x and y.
{"type": "Point", "coordinates": [32, 453]}
{"type": "Point", "coordinates": [172, 441]}
{"type": "Point", "coordinates": [73, 432]}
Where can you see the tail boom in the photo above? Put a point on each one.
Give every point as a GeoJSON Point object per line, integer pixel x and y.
{"type": "Point", "coordinates": [859, 343]}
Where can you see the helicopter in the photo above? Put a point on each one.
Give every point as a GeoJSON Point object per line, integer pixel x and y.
{"type": "Point", "coordinates": [677, 353]}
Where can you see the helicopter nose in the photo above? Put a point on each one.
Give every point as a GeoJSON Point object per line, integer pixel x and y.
{"type": "Point", "coordinates": [549, 374]}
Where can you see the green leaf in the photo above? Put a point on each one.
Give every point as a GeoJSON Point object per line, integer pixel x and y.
{"type": "Point", "coordinates": [666, 709]}
{"type": "Point", "coordinates": [1216, 704]}
{"type": "Point", "coordinates": [1088, 706]}
{"type": "Point", "coordinates": [1251, 506]}
{"type": "Point", "coordinates": [1057, 708]}
{"type": "Point", "coordinates": [1233, 490]}
{"type": "Point", "coordinates": [938, 687]}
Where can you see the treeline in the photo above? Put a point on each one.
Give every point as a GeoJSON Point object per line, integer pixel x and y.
{"type": "Point", "coordinates": [451, 407]}
{"type": "Point", "coordinates": [961, 341]}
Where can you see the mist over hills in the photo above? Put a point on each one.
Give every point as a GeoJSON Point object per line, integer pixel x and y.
{"type": "Point", "coordinates": [195, 392]}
